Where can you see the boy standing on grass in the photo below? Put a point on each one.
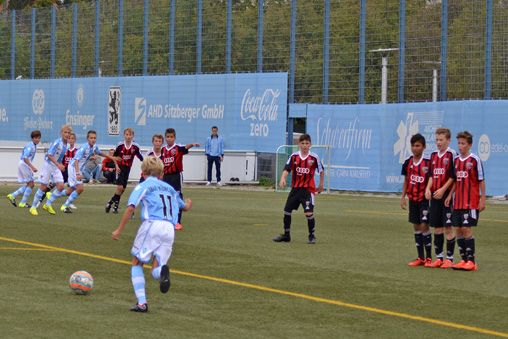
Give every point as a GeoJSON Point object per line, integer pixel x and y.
{"type": "Point", "coordinates": [469, 200]}
{"type": "Point", "coordinates": [160, 204]}
{"type": "Point", "coordinates": [172, 156]}
{"type": "Point", "coordinates": [416, 169]}
{"type": "Point", "coordinates": [75, 168]}
{"type": "Point", "coordinates": [26, 171]}
{"type": "Point", "coordinates": [156, 150]}
{"type": "Point", "coordinates": [441, 177]}
{"type": "Point", "coordinates": [126, 150]}
{"type": "Point", "coordinates": [52, 169]}
{"type": "Point", "coordinates": [303, 189]}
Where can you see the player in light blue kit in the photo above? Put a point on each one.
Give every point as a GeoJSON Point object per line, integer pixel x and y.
{"type": "Point", "coordinates": [76, 166]}
{"type": "Point", "coordinates": [160, 204]}
{"type": "Point", "coordinates": [26, 171]}
{"type": "Point", "coordinates": [52, 169]}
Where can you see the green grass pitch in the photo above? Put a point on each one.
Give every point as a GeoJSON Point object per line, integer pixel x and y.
{"type": "Point", "coordinates": [230, 280]}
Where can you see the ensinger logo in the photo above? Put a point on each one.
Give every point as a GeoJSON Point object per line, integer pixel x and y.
{"type": "Point", "coordinates": [484, 147]}
{"type": "Point", "coordinates": [140, 111]}
{"type": "Point", "coordinates": [417, 178]}
{"type": "Point", "coordinates": [302, 170]}
{"type": "Point", "coordinates": [38, 101]}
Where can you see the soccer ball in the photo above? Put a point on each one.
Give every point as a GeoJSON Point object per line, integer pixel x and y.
{"type": "Point", "coordinates": [81, 282]}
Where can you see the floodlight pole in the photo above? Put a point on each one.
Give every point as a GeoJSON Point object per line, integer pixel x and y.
{"type": "Point", "coordinates": [384, 71]}
{"type": "Point", "coordinates": [434, 78]}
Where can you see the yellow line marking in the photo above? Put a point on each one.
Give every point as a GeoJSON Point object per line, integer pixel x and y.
{"type": "Point", "coordinates": [26, 249]}
{"type": "Point", "coordinates": [273, 290]}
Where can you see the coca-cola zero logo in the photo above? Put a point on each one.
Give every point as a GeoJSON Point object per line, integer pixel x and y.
{"type": "Point", "coordinates": [261, 109]}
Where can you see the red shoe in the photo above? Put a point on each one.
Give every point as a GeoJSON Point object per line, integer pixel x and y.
{"type": "Point", "coordinates": [417, 262]}
{"type": "Point", "coordinates": [459, 266]}
{"type": "Point", "coordinates": [428, 262]}
{"type": "Point", "coordinates": [178, 226]}
{"type": "Point", "coordinates": [469, 266]}
{"type": "Point", "coordinates": [435, 264]}
{"type": "Point", "coordinates": [447, 264]}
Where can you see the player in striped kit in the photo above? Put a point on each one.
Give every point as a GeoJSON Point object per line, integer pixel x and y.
{"type": "Point", "coordinates": [441, 178]}
{"type": "Point", "coordinates": [172, 157]}
{"type": "Point", "coordinates": [415, 169]}
{"type": "Point", "coordinates": [126, 150]}
{"type": "Point", "coordinates": [26, 170]}
{"type": "Point", "coordinates": [469, 199]}
{"type": "Point", "coordinates": [303, 189]}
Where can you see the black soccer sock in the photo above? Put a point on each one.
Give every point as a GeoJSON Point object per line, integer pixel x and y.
{"type": "Point", "coordinates": [427, 239]}
{"type": "Point", "coordinates": [450, 249]}
{"type": "Point", "coordinates": [438, 245]}
{"type": "Point", "coordinates": [419, 244]}
{"type": "Point", "coordinates": [461, 242]}
{"type": "Point", "coordinates": [311, 224]}
{"type": "Point", "coordinates": [180, 216]}
{"type": "Point", "coordinates": [470, 250]}
{"type": "Point", "coordinates": [287, 222]}
{"type": "Point", "coordinates": [116, 198]}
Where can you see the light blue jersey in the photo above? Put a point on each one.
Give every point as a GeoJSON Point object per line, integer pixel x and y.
{"type": "Point", "coordinates": [159, 201]}
{"type": "Point", "coordinates": [29, 151]}
{"type": "Point", "coordinates": [83, 155]}
{"type": "Point", "coordinates": [57, 150]}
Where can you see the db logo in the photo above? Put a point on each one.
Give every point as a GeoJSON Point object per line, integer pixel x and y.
{"type": "Point", "coordinates": [38, 101]}
{"type": "Point", "coordinates": [416, 178]}
{"type": "Point", "coordinates": [302, 170]}
{"type": "Point", "coordinates": [439, 171]}
{"type": "Point", "coordinates": [462, 174]}
{"type": "Point", "coordinates": [484, 147]}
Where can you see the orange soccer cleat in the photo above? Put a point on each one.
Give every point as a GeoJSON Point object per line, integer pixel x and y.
{"type": "Point", "coordinates": [417, 262]}
{"type": "Point", "coordinates": [178, 226]}
{"type": "Point", "coordinates": [435, 264]}
{"type": "Point", "coordinates": [470, 266]}
{"type": "Point", "coordinates": [447, 264]}
{"type": "Point", "coordinates": [460, 265]}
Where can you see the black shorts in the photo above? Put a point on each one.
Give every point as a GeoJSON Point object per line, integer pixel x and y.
{"type": "Point", "coordinates": [419, 212]}
{"type": "Point", "coordinates": [123, 177]}
{"type": "Point", "coordinates": [440, 215]}
{"type": "Point", "coordinates": [465, 218]}
{"type": "Point", "coordinates": [175, 180]}
{"type": "Point", "coordinates": [300, 196]}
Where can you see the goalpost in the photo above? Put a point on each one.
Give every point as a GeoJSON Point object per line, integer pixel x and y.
{"type": "Point", "coordinates": [285, 151]}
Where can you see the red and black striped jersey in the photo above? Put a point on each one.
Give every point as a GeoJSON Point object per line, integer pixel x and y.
{"type": "Point", "coordinates": [128, 153]}
{"type": "Point", "coordinates": [172, 157]}
{"type": "Point", "coordinates": [149, 153]}
{"type": "Point", "coordinates": [468, 174]}
{"type": "Point", "coordinates": [303, 170]}
{"type": "Point", "coordinates": [442, 168]}
{"type": "Point", "coordinates": [417, 175]}
{"type": "Point", "coordinates": [69, 154]}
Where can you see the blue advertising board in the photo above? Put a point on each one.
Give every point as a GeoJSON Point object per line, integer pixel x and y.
{"type": "Point", "coordinates": [369, 143]}
{"type": "Point", "coordinates": [249, 109]}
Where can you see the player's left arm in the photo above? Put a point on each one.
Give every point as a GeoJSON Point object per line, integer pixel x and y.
{"type": "Point", "coordinates": [194, 144]}
{"type": "Point", "coordinates": [112, 158]}
{"type": "Point", "coordinates": [321, 181]}
{"type": "Point", "coordinates": [481, 207]}
{"type": "Point", "coordinates": [53, 160]}
{"type": "Point", "coordinates": [126, 216]}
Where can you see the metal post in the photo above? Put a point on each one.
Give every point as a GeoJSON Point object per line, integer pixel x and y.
{"type": "Point", "coordinates": [198, 36]}
{"type": "Point", "coordinates": [53, 33]}
{"type": "Point", "coordinates": [261, 6]}
{"type": "Point", "coordinates": [32, 49]}
{"type": "Point", "coordinates": [13, 44]}
{"type": "Point", "coordinates": [172, 38]}
{"type": "Point", "coordinates": [384, 79]}
{"type": "Point", "coordinates": [444, 46]}
{"type": "Point", "coordinates": [74, 38]}
{"type": "Point", "coordinates": [326, 52]}
{"type": "Point", "coordinates": [488, 51]}
{"type": "Point", "coordinates": [402, 48]}
{"type": "Point", "coordinates": [228, 35]}
{"type": "Point", "coordinates": [361, 84]}
{"type": "Point", "coordinates": [97, 36]}
{"type": "Point", "coordinates": [434, 85]}
{"type": "Point", "coordinates": [120, 38]}
{"type": "Point", "coordinates": [292, 60]}
{"type": "Point", "coordinates": [145, 39]}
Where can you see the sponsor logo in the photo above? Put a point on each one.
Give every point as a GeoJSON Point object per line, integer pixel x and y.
{"type": "Point", "coordinates": [261, 109]}
{"type": "Point", "coordinates": [140, 111]}
{"type": "Point", "coordinates": [462, 174]}
{"type": "Point", "coordinates": [80, 95]}
{"type": "Point", "coordinates": [439, 171]}
{"type": "Point", "coordinates": [302, 170]}
{"type": "Point", "coordinates": [3, 115]}
{"type": "Point", "coordinates": [38, 101]}
{"type": "Point", "coordinates": [484, 147]}
{"type": "Point", "coordinates": [417, 178]}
